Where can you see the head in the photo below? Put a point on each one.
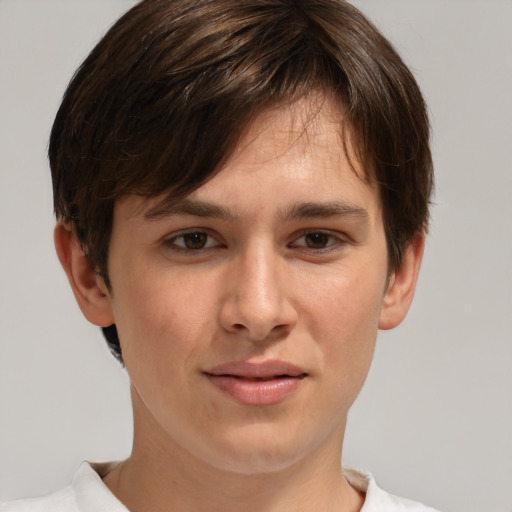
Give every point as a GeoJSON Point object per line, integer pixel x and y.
{"type": "Point", "coordinates": [162, 102]}
{"type": "Point", "coordinates": [242, 189]}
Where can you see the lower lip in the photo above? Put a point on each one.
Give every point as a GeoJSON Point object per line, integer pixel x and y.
{"type": "Point", "coordinates": [256, 392]}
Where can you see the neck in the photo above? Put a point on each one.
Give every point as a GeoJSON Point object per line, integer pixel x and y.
{"type": "Point", "coordinates": [142, 486]}
{"type": "Point", "coordinates": [160, 476]}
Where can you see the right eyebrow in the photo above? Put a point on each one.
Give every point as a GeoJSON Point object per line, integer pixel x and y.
{"type": "Point", "coordinates": [189, 207]}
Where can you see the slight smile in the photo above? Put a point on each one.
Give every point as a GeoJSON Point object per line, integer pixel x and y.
{"type": "Point", "coordinates": [256, 384]}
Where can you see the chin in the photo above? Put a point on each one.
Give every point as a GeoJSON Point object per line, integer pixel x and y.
{"type": "Point", "coordinates": [258, 453]}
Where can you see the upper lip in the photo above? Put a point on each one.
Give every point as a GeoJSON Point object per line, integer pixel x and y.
{"type": "Point", "coordinates": [251, 370]}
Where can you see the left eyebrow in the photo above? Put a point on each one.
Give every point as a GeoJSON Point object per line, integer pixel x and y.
{"type": "Point", "coordinates": [323, 210]}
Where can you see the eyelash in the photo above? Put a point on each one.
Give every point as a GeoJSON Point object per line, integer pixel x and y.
{"type": "Point", "coordinates": [330, 241]}
{"type": "Point", "coordinates": [171, 242]}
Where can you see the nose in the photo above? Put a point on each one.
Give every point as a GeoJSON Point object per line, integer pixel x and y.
{"type": "Point", "coordinates": [258, 305]}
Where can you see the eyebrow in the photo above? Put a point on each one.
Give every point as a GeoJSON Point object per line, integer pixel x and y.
{"type": "Point", "coordinates": [330, 209]}
{"type": "Point", "coordinates": [189, 207]}
{"type": "Point", "coordinates": [307, 210]}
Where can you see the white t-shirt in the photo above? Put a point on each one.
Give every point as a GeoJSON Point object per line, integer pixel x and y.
{"type": "Point", "coordinates": [88, 493]}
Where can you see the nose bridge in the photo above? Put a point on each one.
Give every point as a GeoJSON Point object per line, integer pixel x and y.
{"type": "Point", "coordinates": [258, 303]}
{"type": "Point", "coordinates": [260, 285]}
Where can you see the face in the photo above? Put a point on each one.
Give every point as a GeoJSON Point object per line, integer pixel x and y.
{"type": "Point", "coordinates": [248, 312]}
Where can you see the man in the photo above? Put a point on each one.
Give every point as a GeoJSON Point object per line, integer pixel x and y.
{"type": "Point", "coordinates": [242, 196]}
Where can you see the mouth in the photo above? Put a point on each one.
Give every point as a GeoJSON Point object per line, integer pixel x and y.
{"type": "Point", "coordinates": [257, 384]}
{"type": "Point", "coordinates": [258, 379]}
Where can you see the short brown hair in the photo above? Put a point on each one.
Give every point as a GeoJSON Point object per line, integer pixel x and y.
{"type": "Point", "coordinates": [161, 101]}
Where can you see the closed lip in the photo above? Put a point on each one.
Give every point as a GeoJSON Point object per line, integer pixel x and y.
{"type": "Point", "coordinates": [264, 370]}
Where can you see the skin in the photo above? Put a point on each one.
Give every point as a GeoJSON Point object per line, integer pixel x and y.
{"type": "Point", "coordinates": [264, 277]}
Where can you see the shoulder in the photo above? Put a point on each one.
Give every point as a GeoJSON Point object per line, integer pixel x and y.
{"type": "Point", "coordinates": [61, 501]}
{"type": "Point", "coordinates": [87, 493]}
{"type": "Point", "coordinates": [378, 500]}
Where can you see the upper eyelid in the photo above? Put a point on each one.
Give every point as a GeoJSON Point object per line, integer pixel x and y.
{"type": "Point", "coordinates": [297, 234]}
{"type": "Point", "coordinates": [340, 237]}
{"type": "Point", "coordinates": [338, 241]}
{"type": "Point", "coordinates": [169, 239]}
{"type": "Point", "coordinates": [311, 231]}
{"type": "Point", "coordinates": [181, 232]}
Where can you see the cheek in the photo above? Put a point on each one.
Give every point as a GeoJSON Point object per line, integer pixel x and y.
{"type": "Point", "coordinates": [342, 303]}
{"type": "Point", "coordinates": [163, 335]}
{"type": "Point", "coordinates": [161, 315]}
{"type": "Point", "coordinates": [342, 315]}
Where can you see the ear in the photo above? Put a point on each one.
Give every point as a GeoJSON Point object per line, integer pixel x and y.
{"type": "Point", "coordinates": [88, 287]}
{"type": "Point", "coordinates": [402, 284]}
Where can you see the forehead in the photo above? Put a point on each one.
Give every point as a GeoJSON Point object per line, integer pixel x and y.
{"type": "Point", "coordinates": [309, 127]}
{"type": "Point", "coordinates": [307, 142]}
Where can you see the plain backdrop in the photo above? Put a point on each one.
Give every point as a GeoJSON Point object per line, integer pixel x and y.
{"type": "Point", "coordinates": [434, 421]}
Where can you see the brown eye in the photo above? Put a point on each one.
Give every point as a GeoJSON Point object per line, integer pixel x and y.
{"type": "Point", "coordinates": [317, 240]}
{"type": "Point", "coordinates": [194, 240]}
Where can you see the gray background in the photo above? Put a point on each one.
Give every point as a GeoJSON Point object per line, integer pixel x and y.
{"type": "Point", "coordinates": [434, 421]}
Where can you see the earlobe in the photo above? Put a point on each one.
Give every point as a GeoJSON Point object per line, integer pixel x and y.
{"type": "Point", "coordinates": [89, 289]}
{"type": "Point", "coordinates": [402, 284]}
